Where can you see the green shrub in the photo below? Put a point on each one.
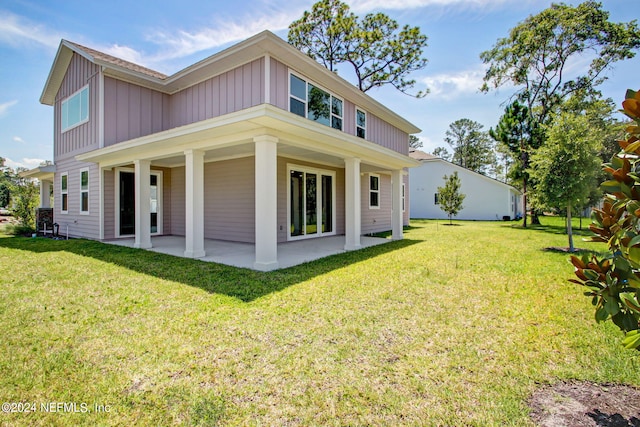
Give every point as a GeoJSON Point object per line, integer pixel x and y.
{"type": "Point", "coordinates": [613, 283]}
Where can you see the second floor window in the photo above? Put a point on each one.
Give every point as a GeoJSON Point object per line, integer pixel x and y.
{"type": "Point", "coordinates": [75, 109]}
{"type": "Point", "coordinates": [308, 100]}
{"type": "Point", "coordinates": [361, 123]}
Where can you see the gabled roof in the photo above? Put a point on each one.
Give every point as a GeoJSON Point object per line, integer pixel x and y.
{"type": "Point", "coordinates": [241, 53]}
{"type": "Point", "coordinates": [427, 158]}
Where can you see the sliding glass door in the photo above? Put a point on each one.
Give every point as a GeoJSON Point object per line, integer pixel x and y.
{"type": "Point", "coordinates": [126, 209]}
{"type": "Point", "coordinates": [311, 202]}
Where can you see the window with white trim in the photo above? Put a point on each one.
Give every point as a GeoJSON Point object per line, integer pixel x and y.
{"type": "Point", "coordinates": [84, 191]}
{"type": "Point", "coordinates": [403, 193]}
{"type": "Point", "coordinates": [64, 192]}
{"type": "Point", "coordinates": [374, 191]}
{"type": "Point", "coordinates": [75, 109]}
{"type": "Point", "coordinates": [309, 101]}
{"type": "Point", "coordinates": [361, 123]}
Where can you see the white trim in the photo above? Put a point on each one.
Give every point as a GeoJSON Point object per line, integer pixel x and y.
{"type": "Point", "coordinates": [267, 79]}
{"type": "Point", "coordinates": [374, 175]}
{"type": "Point", "coordinates": [64, 101]}
{"type": "Point", "coordinates": [404, 198]}
{"type": "Point", "coordinates": [101, 202]}
{"type": "Point", "coordinates": [100, 112]}
{"type": "Point", "coordinates": [116, 202]}
{"type": "Point", "coordinates": [88, 191]}
{"type": "Point", "coordinates": [63, 192]}
{"type": "Point", "coordinates": [319, 172]}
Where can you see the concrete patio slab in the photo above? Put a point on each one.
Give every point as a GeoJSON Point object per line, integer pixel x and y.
{"type": "Point", "coordinates": [243, 254]}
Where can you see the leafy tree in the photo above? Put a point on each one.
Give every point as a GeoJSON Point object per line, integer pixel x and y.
{"type": "Point", "coordinates": [472, 147]}
{"type": "Point", "coordinates": [449, 196]}
{"type": "Point", "coordinates": [378, 50]}
{"type": "Point", "coordinates": [443, 153]}
{"type": "Point", "coordinates": [613, 282]}
{"type": "Point", "coordinates": [414, 142]}
{"type": "Point", "coordinates": [566, 167]}
{"type": "Point", "coordinates": [514, 133]}
{"type": "Point", "coordinates": [25, 201]}
{"type": "Point", "coordinates": [536, 55]}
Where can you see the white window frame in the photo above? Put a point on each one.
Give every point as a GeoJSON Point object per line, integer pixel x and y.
{"type": "Point", "coordinates": [374, 175]}
{"type": "Point", "coordinates": [63, 192]}
{"type": "Point", "coordinates": [66, 126]}
{"type": "Point", "coordinates": [319, 173]}
{"type": "Point", "coordinates": [332, 96]}
{"type": "Point", "coordinates": [82, 212]}
{"type": "Point", "coordinates": [364, 129]}
{"type": "Point", "coordinates": [403, 197]}
{"type": "Point", "coordinates": [116, 202]}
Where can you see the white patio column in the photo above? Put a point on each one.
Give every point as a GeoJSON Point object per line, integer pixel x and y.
{"type": "Point", "coordinates": [396, 205]}
{"type": "Point", "coordinates": [352, 204]}
{"type": "Point", "coordinates": [45, 191]}
{"type": "Point", "coordinates": [194, 204]}
{"type": "Point", "coordinates": [142, 204]}
{"type": "Point", "coordinates": [266, 198]}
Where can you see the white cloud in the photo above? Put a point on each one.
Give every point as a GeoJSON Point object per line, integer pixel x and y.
{"type": "Point", "coordinates": [25, 163]}
{"type": "Point", "coordinates": [453, 85]}
{"type": "Point", "coordinates": [178, 44]}
{"type": "Point", "coordinates": [18, 139]}
{"type": "Point", "coordinates": [17, 31]}
{"type": "Point", "coordinates": [124, 52]}
{"type": "Point", "coordinates": [4, 108]}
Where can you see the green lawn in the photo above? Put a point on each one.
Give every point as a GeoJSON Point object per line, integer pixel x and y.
{"type": "Point", "coordinates": [455, 325]}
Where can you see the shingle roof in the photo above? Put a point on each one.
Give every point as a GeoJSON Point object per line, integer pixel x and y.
{"type": "Point", "coordinates": [421, 155]}
{"type": "Point", "coordinates": [119, 62]}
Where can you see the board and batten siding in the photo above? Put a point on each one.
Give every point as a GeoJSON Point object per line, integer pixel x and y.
{"type": "Point", "coordinates": [78, 224]}
{"type": "Point", "coordinates": [132, 111]}
{"type": "Point", "coordinates": [234, 90]}
{"type": "Point", "coordinates": [177, 207]}
{"type": "Point", "coordinates": [109, 207]}
{"type": "Point", "coordinates": [84, 137]}
{"type": "Point", "coordinates": [378, 131]}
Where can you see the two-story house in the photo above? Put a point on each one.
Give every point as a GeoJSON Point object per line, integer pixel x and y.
{"type": "Point", "coordinates": [257, 143]}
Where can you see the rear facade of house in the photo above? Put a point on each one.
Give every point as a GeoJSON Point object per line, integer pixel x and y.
{"type": "Point", "coordinates": [256, 144]}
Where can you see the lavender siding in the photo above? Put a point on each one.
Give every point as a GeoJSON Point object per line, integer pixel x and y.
{"type": "Point", "coordinates": [78, 225]}
{"type": "Point", "coordinates": [279, 84]}
{"type": "Point", "coordinates": [84, 137]}
{"type": "Point", "coordinates": [229, 200]}
{"type": "Point", "coordinates": [376, 220]}
{"type": "Point", "coordinates": [132, 111]}
{"type": "Point", "coordinates": [384, 134]}
{"type": "Point", "coordinates": [177, 207]}
{"type": "Point", "coordinates": [108, 180]}
{"type": "Point", "coordinates": [237, 89]}
{"type": "Point", "coordinates": [406, 216]}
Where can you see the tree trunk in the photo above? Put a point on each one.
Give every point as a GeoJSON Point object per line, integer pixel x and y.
{"type": "Point", "coordinates": [534, 216]}
{"type": "Point", "coordinates": [569, 229]}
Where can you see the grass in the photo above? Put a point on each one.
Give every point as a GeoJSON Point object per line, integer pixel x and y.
{"type": "Point", "coordinates": [452, 326]}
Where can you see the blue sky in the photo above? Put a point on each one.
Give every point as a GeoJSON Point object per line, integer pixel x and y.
{"type": "Point", "coordinates": [168, 36]}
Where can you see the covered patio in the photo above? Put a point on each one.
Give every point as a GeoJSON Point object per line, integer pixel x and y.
{"type": "Point", "coordinates": [243, 254]}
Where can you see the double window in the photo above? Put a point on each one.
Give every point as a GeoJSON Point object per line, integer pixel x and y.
{"type": "Point", "coordinates": [314, 103]}
{"type": "Point", "coordinates": [75, 109]}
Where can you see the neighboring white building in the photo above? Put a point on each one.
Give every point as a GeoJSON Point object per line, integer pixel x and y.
{"type": "Point", "coordinates": [486, 198]}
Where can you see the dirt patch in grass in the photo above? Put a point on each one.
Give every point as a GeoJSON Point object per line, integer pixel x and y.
{"type": "Point", "coordinates": [585, 404]}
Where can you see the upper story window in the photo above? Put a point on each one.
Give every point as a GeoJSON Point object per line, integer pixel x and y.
{"type": "Point", "coordinates": [361, 123]}
{"type": "Point", "coordinates": [75, 109]}
{"type": "Point", "coordinates": [314, 103]}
